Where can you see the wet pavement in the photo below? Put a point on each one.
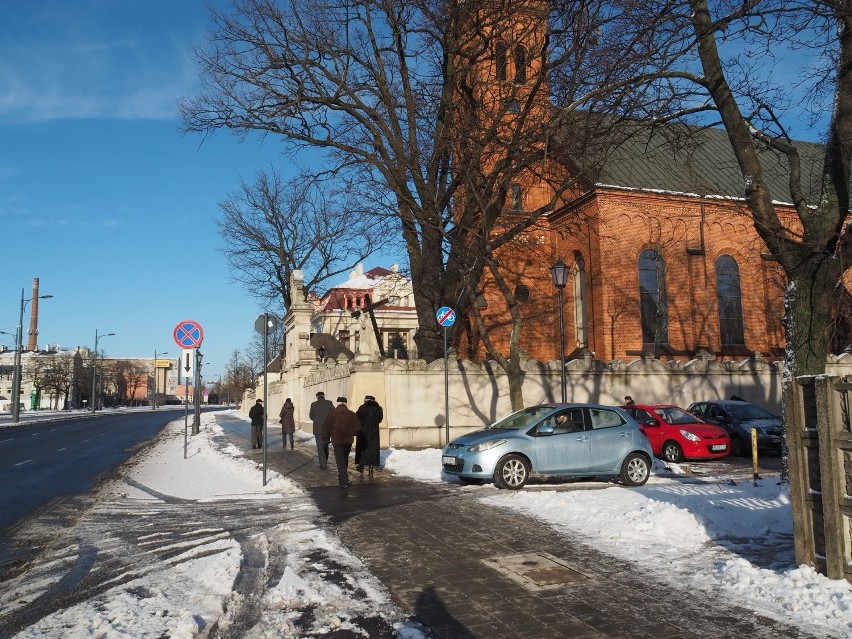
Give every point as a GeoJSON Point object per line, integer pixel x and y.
{"type": "Point", "coordinates": [469, 570]}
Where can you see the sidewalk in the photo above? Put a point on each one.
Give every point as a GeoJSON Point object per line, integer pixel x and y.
{"type": "Point", "coordinates": [476, 571]}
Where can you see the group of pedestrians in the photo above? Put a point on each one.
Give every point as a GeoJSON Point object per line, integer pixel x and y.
{"type": "Point", "coordinates": [337, 427]}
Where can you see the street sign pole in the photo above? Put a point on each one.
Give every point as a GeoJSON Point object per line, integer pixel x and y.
{"type": "Point", "coordinates": [186, 406]}
{"type": "Point", "coordinates": [446, 390]}
{"type": "Point", "coordinates": [188, 334]}
{"type": "Point", "coordinates": [265, 324]}
{"type": "Point", "coordinates": [446, 318]}
{"type": "Point", "coordinates": [196, 394]}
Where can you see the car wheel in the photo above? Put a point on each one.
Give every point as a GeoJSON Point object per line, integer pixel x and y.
{"type": "Point", "coordinates": [635, 470]}
{"type": "Point", "coordinates": [672, 452]}
{"type": "Point", "coordinates": [737, 448]}
{"type": "Point", "coordinates": [471, 481]}
{"type": "Point", "coordinates": [512, 472]}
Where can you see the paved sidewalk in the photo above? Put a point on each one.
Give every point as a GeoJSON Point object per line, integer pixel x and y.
{"type": "Point", "coordinates": [468, 570]}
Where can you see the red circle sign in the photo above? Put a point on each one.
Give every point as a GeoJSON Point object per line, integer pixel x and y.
{"type": "Point", "coordinates": [188, 334]}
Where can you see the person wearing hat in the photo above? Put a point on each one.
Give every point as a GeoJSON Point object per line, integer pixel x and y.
{"type": "Point", "coordinates": [256, 417]}
{"type": "Point", "coordinates": [339, 428]}
{"type": "Point", "coordinates": [319, 410]}
{"type": "Point", "coordinates": [370, 414]}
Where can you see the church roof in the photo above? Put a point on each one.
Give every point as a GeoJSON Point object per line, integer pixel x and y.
{"type": "Point", "coordinates": [699, 161]}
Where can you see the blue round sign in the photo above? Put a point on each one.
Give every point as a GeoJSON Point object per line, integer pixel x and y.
{"type": "Point", "coordinates": [446, 316]}
{"type": "Point", "coordinates": [188, 334]}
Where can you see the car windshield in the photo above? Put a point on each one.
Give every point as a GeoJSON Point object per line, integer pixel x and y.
{"type": "Point", "coordinates": [748, 411]}
{"type": "Point", "coordinates": [521, 419]}
{"type": "Point", "coordinates": [674, 415]}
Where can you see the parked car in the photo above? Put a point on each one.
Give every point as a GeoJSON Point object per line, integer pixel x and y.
{"type": "Point", "coordinates": [738, 418]}
{"type": "Point", "coordinates": [563, 440]}
{"type": "Point", "coordinates": [676, 435]}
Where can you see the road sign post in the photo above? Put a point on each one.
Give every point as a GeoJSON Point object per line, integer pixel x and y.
{"type": "Point", "coordinates": [265, 324]}
{"type": "Point", "coordinates": [188, 334]}
{"type": "Point", "coordinates": [446, 318]}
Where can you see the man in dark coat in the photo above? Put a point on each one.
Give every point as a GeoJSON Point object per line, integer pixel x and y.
{"type": "Point", "coordinates": [370, 415]}
{"type": "Point", "coordinates": [339, 428]}
{"type": "Point", "coordinates": [256, 417]}
{"type": "Point", "coordinates": [319, 410]}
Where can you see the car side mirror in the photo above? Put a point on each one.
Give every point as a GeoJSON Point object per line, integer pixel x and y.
{"type": "Point", "coordinates": [545, 429]}
{"type": "Point", "coordinates": [651, 422]}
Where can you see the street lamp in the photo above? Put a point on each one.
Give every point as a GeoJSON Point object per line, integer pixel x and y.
{"type": "Point", "coordinates": [154, 399]}
{"type": "Point", "coordinates": [19, 346]}
{"type": "Point", "coordinates": [560, 272]}
{"type": "Point", "coordinates": [95, 370]}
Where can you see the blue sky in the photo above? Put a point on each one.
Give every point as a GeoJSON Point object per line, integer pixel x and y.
{"type": "Point", "coordinates": [101, 196]}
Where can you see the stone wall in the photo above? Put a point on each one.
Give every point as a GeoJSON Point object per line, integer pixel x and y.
{"type": "Point", "coordinates": [412, 391]}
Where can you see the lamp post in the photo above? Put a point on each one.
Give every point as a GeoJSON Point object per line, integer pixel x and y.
{"type": "Point", "coordinates": [560, 272]}
{"type": "Point", "coordinates": [95, 371]}
{"type": "Point", "coordinates": [19, 346]}
{"type": "Point", "coordinates": [154, 398]}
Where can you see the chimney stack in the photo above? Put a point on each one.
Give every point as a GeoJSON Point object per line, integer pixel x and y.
{"type": "Point", "coordinates": [32, 344]}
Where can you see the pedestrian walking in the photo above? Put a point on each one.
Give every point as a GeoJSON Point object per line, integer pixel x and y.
{"type": "Point", "coordinates": [288, 423]}
{"type": "Point", "coordinates": [370, 415]}
{"type": "Point", "coordinates": [339, 428]}
{"type": "Point", "coordinates": [256, 417]}
{"type": "Point", "coordinates": [319, 410]}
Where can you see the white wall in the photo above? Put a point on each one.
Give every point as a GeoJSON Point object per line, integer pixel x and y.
{"type": "Point", "coordinates": [412, 392]}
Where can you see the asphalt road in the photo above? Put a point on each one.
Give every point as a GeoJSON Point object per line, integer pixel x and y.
{"type": "Point", "coordinates": [41, 462]}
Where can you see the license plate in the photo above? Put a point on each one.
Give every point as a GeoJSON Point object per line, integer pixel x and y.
{"type": "Point", "coordinates": [449, 461]}
{"type": "Point", "coordinates": [718, 447]}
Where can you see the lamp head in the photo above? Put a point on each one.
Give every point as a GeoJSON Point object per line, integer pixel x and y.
{"type": "Point", "coordinates": [560, 272]}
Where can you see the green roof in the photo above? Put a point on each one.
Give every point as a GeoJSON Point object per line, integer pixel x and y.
{"type": "Point", "coordinates": [699, 161]}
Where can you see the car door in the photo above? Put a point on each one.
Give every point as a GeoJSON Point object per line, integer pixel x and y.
{"type": "Point", "coordinates": [653, 427]}
{"type": "Point", "coordinates": [566, 450]}
{"type": "Point", "coordinates": [611, 439]}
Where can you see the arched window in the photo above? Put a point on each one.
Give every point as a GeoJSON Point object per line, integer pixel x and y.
{"type": "Point", "coordinates": [520, 64]}
{"type": "Point", "coordinates": [730, 300]}
{"type": "Point", "coordinates": [652, 297]}
{"type": "Point", "coordinates": [580, 328]}
{"type": "Point", "coordinates": [517, 194]}
{"type": "Point", "coordinates": [501, 54]}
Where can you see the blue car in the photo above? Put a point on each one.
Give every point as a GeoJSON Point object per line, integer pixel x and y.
{"type": "Point", "coordinates": [557, 440]}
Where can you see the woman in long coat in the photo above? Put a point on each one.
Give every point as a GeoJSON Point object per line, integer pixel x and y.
{"type": "Point", "coordinates": [370, 414]}
{"type": "Point", "coordinates": [288, 422]}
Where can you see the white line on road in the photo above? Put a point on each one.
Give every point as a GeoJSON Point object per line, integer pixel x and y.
{"type": "Point", "coordinates": [63, 448]}
{"type": "Point", "coordinates": [26, 461]}
{"type": "Point", "coordinates": [5, 440]}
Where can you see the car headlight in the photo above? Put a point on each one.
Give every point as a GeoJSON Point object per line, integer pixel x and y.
{"type": "Point", "coordinates": [690, 436]}
{"type": "Point", "coordinates": [478, 448]}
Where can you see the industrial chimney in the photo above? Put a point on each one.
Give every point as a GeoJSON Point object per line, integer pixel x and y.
{"type": "Point", "coordinates": [32, 344]}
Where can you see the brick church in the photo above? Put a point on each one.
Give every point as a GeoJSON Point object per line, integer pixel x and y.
{"type": "Point", "coordinates": [663, 254]}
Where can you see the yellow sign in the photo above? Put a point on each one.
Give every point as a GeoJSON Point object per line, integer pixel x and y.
{"type": "Point", "coordinates": [163, 363]}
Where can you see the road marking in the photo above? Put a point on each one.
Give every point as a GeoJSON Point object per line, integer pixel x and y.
{"type": "Point", "coordinates": [5, 440]}
{"type": "Point", "coordinates": [63, 448]}
{"type": "Point", "coordinates": [27, 461]}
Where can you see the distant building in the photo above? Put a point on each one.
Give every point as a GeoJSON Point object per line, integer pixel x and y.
{"type": "Point", "coordinates": [344, 313]}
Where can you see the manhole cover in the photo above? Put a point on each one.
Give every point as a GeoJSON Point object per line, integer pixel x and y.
{"type": "Point", "coordinates": [539, 571]}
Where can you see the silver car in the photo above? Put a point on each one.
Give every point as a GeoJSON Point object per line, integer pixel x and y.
{"type": "Point", "coordinates": [562, 440]}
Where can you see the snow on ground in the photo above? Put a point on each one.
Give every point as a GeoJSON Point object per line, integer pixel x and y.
{"type": "Point", "coordinates": [696, 533]}
{"type": "Point", "coordinates": [189, 594]}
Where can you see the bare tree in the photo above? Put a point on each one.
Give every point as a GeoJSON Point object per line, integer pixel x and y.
{"type": "Point", "coordinates": [135, 374]}
{"type": "Point", "coordinates": [402, 96]}
{"type": "Point", "coordinates": [433, 113]}
{"type": "Point", "coordinates": [271, 228]}
{"type": "Point", "coordinates": [240, 375]}
{"type": "Point", "coordinates": [58, 375]}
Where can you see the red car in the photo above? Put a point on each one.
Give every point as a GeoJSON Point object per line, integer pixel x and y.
{"type": "Point", "coordinates": [676, 435]}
